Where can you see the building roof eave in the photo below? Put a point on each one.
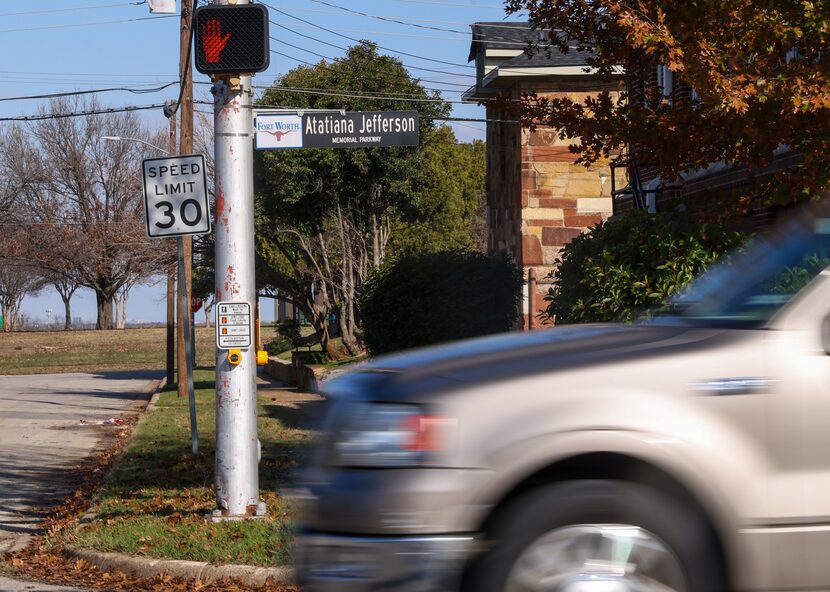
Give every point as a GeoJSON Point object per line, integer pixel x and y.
{"type": "Point", "coordinates": [476, 94]}
{"type": "Point", "coordinates": [536, 71]}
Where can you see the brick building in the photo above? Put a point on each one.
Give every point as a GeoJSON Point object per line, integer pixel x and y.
{"type": "Point", "coordinates": [537, 198]}
{"type": "Point", "coordinates": [707, 192]}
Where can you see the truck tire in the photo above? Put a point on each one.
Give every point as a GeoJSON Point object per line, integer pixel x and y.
{"type": "Point", "coordinates": [559, 537]}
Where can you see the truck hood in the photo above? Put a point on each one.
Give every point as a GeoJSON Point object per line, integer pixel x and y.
{"type": "Point", "coordinates": [502, 357]}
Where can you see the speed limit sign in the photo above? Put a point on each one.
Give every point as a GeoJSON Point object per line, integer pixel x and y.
{"type": "Point", "coordinates": [175, 196]}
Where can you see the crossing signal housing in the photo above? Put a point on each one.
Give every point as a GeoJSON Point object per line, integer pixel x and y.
{"type": "Point", "coordinates": [231, 39]}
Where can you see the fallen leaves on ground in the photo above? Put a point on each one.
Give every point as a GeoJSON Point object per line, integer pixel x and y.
{"type": "Point", "coordinates": [44, 559]}
{"type": "Point", "coordinates": [53, 567]}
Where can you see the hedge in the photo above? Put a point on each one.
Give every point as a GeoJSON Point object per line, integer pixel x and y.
{"type": "Point", "coordinates": [423, 299]}
{"type": "Point", "coordinates": [623, 267]}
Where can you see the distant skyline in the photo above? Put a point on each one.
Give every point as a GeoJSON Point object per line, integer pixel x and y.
{"type": "Point", "coordinates": [56, 46]}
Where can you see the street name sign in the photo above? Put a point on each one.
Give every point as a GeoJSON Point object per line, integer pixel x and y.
{"type": "Point", "coordinates": [335, 129]}
{"type": "Point", "coordinates": [233, 325]}
{"type": "Point", "coordinates": [175, 196]}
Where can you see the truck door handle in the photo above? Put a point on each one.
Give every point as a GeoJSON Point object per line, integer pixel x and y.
{"type": "Point", "coordinates": [733, 386]}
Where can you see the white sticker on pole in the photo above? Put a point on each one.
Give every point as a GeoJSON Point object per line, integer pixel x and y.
{"type": "Point", "coordinates": [234, 325]}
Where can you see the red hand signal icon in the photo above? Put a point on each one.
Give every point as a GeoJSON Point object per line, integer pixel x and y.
{"type": "Point", "coordinates": [231, 38]}
{"type": "Point", "coordinates": [212, 40]}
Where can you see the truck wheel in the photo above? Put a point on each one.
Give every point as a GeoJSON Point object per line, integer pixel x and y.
{"type": "Point", "coordinates": [611, 536]}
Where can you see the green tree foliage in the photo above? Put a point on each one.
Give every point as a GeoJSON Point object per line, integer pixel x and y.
{"type": "Point", "coordinates": [620, 268]}
{"type": "Point", "coordinates": [760, 68]}
{"type": "Point", "coordinates": [422, 299]}
{"type": "Point", "coordinates": [326, 216]}
{"type": "Point", "coordinates": [449, 207]}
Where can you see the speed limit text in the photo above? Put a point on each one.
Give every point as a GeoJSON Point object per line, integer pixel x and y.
{"type": "Point", "coordinates": [175, 170]}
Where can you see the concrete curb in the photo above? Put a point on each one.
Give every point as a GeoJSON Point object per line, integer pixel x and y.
{"type": "Point", "coordinates": [156, 390]}
{"type": "Point", "coordinates": [309, 377]}
{"type": "Point", "coordinates": [186, 570]}
{"type": "Point", "coordinates": [306, 377]}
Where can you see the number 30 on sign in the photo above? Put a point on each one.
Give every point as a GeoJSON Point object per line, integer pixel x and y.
{"type": "Point", "coordinates": [175, 196]}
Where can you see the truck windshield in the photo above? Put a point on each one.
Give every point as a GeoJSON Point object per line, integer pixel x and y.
{"type": "Point", "coordinates": [747, 287]}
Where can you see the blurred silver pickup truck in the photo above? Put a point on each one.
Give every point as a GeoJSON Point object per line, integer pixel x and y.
{"type": "Point", "coordinates": [687, 452]}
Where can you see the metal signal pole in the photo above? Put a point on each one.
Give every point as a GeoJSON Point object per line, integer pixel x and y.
{"type": "Point", "coordinates": [237, 446]}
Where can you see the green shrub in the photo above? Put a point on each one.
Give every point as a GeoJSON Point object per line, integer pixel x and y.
{"type": "Point", "coordinates": [309, 357]}
{"type": "Point", "coordinates": [290, 330]}
{"type": "Point", "coordinates": [620, 268]}
{"type": "Point", "coordinates": [276, 345]}
{"type": "Point", "coordinates": [287, 337]}
{"type": "Point", "coordinates": [427, 298]}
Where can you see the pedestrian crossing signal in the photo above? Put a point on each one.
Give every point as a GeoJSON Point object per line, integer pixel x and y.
{"type": "Point", "coordinates": [231, 39]}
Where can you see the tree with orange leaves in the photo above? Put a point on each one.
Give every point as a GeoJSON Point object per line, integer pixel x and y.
{"type": "Point", "coordinates": [760, 70]}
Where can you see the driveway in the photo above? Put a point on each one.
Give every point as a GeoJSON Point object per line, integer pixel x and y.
{"type": "Point", "coordinates": [49, 424]}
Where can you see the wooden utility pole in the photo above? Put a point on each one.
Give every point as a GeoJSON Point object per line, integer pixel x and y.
{"type": "Point", "coordinates": [171, 286]}
{"type": "Point", "coordinates": [185, 147]}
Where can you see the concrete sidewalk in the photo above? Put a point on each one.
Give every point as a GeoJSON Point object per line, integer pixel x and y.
{"type": "Point", "coordinates": [49, 424]}
{"type": "Point", "coordinates": [125, 396]}
{"type": "Point", "coordinates": [7, 585]}
{"type": "Point", "coordinates": [309, 406]}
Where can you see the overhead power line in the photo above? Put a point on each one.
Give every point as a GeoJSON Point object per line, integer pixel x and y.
{"type": "Point", "coordinates": [466, 39]}
{"type": "Point", "coordinates": [131, 108]}
{"type": "Point", "coordinates": [314, 53]}
{"type": "Point", "coordinates": [454, 4]}
{"type": "Point", "coordinates": [502, 40]}
{"type": "Point", "coordinates": [83, 84]}
{"type": "Point", "coordinates": [137, 91]}
{"type": "Point", "coordinates": [333, 32]}
{"type": "Point", "coordinates": [102, 111]}
{"type": "Point", "coordinates": [325, 57]}
{"type": "Point", "coordinates": [75, 9]}
{"type": "Point", "coordinates": [355, 93]}
{"type": "Point", "coordinates": [427, 117]}
{"type": "Point", "coordinates": [161, 87]}
{"type": "Point", "coordinates": [171, 110]}
{"type": "Point", "coordinates": [341, 48]}
{"type": "Point", "coordinates": [388, 19]}
{"type": "Point", "coordinates": [343, 11]}
{"type": "Point", "coordinates": [347, 95]}
{"type": "Point", "coordinates": [285, 55]}
{"type": "Point", "coordinates": [407, 20]}
{"type": "Point", "coordinates": [96, 24]}
{"type": "Point", "coordinates": [107, 75]}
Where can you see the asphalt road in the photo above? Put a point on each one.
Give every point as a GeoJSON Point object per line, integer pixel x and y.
{"type": "Point", "coordinates": [48, 425]}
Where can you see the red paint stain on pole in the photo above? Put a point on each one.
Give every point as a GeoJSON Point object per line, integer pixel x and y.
{"type": "Point", "coordinates": [220, 203]}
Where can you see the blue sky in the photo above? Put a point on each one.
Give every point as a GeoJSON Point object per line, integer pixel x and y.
{"type": "Point", "coordinates": [64, 45]}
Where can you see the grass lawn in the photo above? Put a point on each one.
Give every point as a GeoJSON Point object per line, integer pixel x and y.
{"type": "Point", "coordinates": [157, 499]}
{"type": "Point", "coordinates": [45, 352]}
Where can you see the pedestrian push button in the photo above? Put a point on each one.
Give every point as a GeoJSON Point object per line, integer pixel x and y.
{"type": "Point", "coordinates": [234, 357]}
